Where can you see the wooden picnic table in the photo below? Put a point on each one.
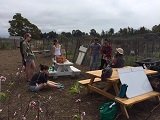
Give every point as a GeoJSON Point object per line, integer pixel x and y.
{"type": "Point", "coordinates": [113, 81]}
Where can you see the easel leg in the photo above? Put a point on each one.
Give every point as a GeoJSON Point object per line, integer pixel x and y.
{"type": "Point", "coordinates": [116, 89]}
{"type": "Point", "coordinates": [158, 98]}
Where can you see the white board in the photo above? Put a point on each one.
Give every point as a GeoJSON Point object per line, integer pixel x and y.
{"type": "Point", "coordinates": [81, 55]}
{"type": "Point", "coordinates": [82, 49]}
{"type": "Point", "coordinates": [136, 80]}
{"type": "Point", "coordinates": [80, 58]}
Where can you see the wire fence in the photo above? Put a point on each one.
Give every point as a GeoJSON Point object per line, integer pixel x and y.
{"type": "Point", "coordinates": [135, 47]}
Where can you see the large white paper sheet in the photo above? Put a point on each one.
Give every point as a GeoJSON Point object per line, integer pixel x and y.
{"type": "Point", "coordinates": [136, 80]}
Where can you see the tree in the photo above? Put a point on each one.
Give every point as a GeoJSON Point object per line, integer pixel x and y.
{"type": "Point", "coordinates": [142, 30]}
{"type": "Point", "coordinates": [77, 33]}
{"type": "Point", "coordinates": [67, 34]}
{"type": "Point", "coordinates": [123, 31]}
{"type": "Point", "coordinates": [52, 35]}
{"type": "Point", "coordinates": [130, 31]}
{"type": "Point", "coordinates": [156, 28]}
{"type": "Point", "coordinates": [20, 25]}
{"type": "Point", "coordinates": [94, 33]}
{"type": "Point", "coordinates": [111, 31]}
{"type": "Point", "coordinates": [103, 34]}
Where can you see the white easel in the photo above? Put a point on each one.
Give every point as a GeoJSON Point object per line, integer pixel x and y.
{"type": "Point", "coordinates": [82, 52]}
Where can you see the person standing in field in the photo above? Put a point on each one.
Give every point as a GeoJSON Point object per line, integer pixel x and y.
{"type": "Point", "coordinates": [56, 49]}
{"type": "Point", "coordinates": [94, 50]}
{"type": "Point", "coordinates": [28, 57]}
{"type": "Point", "coordinates": [106, 51]}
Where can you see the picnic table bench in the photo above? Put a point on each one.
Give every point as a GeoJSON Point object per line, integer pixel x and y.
{"type": "Point", "coordinates": [63, 69]}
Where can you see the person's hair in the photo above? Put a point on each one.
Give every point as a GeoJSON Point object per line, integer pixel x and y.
{"type": "Point", "coordinates": [43, 67]}
{"type": "Point", "coordinates": [118, 54]}
{"type": "Point", "coordinates": [55, 41]}
{"type": "Point", "coordinates": [106, 40]}
{"type": "Point", "coordinates": [27, 35]}
{"type": "Point", "coordinates": [96, 39]}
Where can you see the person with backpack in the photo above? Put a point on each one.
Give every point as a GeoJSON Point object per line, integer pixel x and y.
{"type": "Point", "coordinates": [21, 51]}
{"type": "Point", "coordinates": [40, 80]}
{"type": "Point", "coordinates": [28, 56]}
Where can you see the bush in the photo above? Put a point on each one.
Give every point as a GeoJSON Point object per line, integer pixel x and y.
{"type": "Point", "coordinates": [3, 96]}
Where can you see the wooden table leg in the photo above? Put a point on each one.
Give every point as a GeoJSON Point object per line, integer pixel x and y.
{"type": "Point", "coordinates": [90, 83]}
{"type": "Point", "coordinates": [92, 80]}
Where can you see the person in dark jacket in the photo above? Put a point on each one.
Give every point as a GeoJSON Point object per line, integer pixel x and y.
{"type": "Point", "coordinates": [40, 80]}
{"type": "Point", "coordinates": [118, 60]}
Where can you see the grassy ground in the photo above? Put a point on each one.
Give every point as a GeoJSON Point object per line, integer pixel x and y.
{"type": "Point", "coordinates": [55, 104]}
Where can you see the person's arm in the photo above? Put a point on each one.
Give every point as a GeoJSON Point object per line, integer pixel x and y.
{"type": "Point", "coordinates": [60, 46]}
{"type": "Point", "coordinates": [114, 61]}
{"type": "Point", "coordinates": [45, 78]}
{"type": "Point", "coordinates": [90, 49]}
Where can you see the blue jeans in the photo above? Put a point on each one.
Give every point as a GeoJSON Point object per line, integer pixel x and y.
{"type": "Point", "coordinates": [94, 62]}
{"type": "Point", "coordinates": [34, 88]}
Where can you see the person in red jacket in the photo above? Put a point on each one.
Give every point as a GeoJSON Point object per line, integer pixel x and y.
{"type": "Point", "coordinates": [106, 51]}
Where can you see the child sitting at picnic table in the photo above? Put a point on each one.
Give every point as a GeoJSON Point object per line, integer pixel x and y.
{"type": "Point", "coordinates": [40, 80]}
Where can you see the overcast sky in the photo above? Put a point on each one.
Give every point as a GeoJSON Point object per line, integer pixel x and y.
{"type": "Point", "coordinates": [66, 15]}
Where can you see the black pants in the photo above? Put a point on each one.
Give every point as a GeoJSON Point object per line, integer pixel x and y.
{"type": "Point", "coordinates": [23, 62]}
{"type": "Point", "coordinates": [103, 64]}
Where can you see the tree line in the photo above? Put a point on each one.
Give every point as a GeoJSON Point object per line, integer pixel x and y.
{"type": "Point", "coordinates": [20, 25]}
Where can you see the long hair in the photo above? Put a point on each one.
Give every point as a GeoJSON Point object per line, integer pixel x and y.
{"type": "Point", "coordinates": [43, 67]}
{"type": "Point", "coordinates": [55, 41]}
{"type": "Point", "coordinates": [27, 35]}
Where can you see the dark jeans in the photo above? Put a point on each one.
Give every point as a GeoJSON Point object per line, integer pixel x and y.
{"type": "Point", "coordinates": [23, 62]}
{"type": "Point", "coordinates": [103, 64]}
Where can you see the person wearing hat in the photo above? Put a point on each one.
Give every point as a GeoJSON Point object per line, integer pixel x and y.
{"type": "Point", "coordinates": [118, 60]}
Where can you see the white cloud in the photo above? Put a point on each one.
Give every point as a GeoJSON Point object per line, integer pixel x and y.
{"type": "Point", "coordinates": [66, 15]}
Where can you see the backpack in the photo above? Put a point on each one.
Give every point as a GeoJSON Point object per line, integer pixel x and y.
{"type": "Point", "coordinates": [21, 48]}
{"type": "Point", "coordinates": [21, 51]}
{"type": "Point", "coordinates": [106, 73]}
